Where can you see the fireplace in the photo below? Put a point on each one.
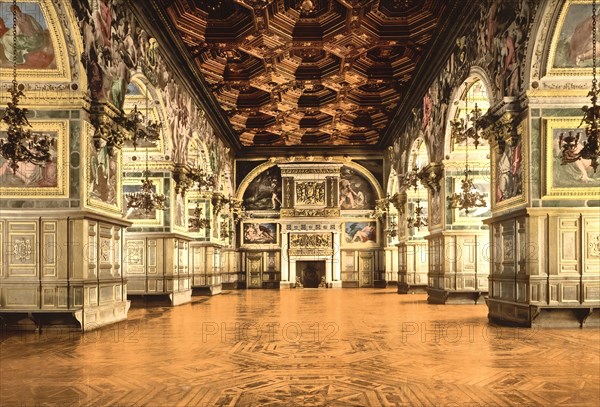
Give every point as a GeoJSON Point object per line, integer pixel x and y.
{"type": "Point", "coordinates": [311, 272]}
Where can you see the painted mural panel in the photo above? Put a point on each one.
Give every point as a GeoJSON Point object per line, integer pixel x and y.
{"type": "Point", "coordinates": [508, 172]}
{"type": "Point", "coordinates": [259, 233]}
{"type": "Point", "coordinates": [34, 48]}
{"type": "Point", "coordinates": [355, 191]}
{"type": "Point", "coordinates": [50, 178]}
{"type": "Point", "coordinates": [567, 174]}
{"type": "Point", "coordinates": [572, 42]}
{"type": "Point", "coordinates": [179, 219]}
{"type": "Point", "coordinates": [264, 191]}
{"type": "Point", "coordinates": [360, 232]}
{"type": "Point", "coordinates": [103, 175]}
{"type": "Point", "coordinates": [375, 167]}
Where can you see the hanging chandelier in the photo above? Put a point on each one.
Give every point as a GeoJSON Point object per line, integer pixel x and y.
{"type": "Point", "coordinates": [412, 180]}
{"type": "Point", "coordinates": [21, 145]}
{"type": "Point", "coordinates": [571, 150]}
{"type": "Point", "coordinates": [146, 200]}
{"type": "Point", "coordinates": [463, 129]}
{"type": "Point", "coordinates": [141, 126]}
{"type": "Point", "coordinates": [382, 207]}
{"type": "Point", "coordinates": [418, 219]}
{"type": "Point", "coordinates": [205, 182]}
{"type": "Point", "coordinates": [469, 197]}
{"type": "Point", "coordinates": [224, 230]}
{"type": "Point", "coordinates": [197, 221]}
{"type": "Point", "coordinates": [392, 229]}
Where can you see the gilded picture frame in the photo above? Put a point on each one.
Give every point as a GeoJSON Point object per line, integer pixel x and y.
{"type": "Point", "coordinates": [42, 182]}
{"type": "Point", "coordinates": [571, 180]}
{"type": "Point", "coordinates": [259, 233]}
{"type": "Point", "coordinates": [564, 58]}
{"type": "Point", "coordinates": [44, 12]}
{"type": "Point", "coordinates": [363, 232]}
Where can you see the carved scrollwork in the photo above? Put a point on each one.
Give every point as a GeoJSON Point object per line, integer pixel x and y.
{"type": "Point", "coordinates": [310, 193]}
{"type": "Point", "coordinates": [431, 175]}
{"type": "Point", "coordinates": [594, 245]}
{"type": "Point", "coordinates": [324, 212]}
{"type": "Point", "coordinates": [22, 249]}
{"type": "Point", "coordinates": [310, 244]}
{"type": "Point", "coordinates": [503, 130]}
{"type": "Point", "coordinates": [399, 201]}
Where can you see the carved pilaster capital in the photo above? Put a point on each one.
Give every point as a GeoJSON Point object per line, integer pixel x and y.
{"type": "Point", "coordinates": [431, 175]}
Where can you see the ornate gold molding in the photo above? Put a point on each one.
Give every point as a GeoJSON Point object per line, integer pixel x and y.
{"type": "Point", "coordinates": [431, 175]}
{"type": "Point", "coordinates": [323, 212]}
{"type": "Point", "coordinates": [310, 193]}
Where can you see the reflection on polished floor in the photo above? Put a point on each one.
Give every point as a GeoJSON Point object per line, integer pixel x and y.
{"type": "Point", "coordinates": [311, 347]}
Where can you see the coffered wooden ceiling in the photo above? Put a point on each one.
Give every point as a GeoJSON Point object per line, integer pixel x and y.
{"type": "Point", "coordinates": [327, 73]}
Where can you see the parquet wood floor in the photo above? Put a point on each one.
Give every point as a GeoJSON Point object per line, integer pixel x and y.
{"type": "Point", "coordinates": [319, 347]}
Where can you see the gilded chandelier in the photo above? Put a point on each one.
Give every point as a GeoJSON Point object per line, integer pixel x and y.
{"type": "Point", "coordinates": [140, 126]}
{"type": "Point", "coordinates": [224, 230]}
{"type": "Point", "coordinates": [146, 199]}
{"type": "Point", "coordinates": [462, 130]}
{"type": "Point", "coordinates": [392, 229]}
{"type": "Point", "coordinates": [571, 150]}
{"type": "Point", "coordinates": [197, 221]}
{"type": "Point", "coordinates": [469, 197]}
{"type": "Point", "coordinates": [382, 208]}
{"type": "Point", "coordinates": [418, 218]}
{"type": "Point", "coordinates": [21, 145]}
{"type": "Point", "coordinates": [204, 183]}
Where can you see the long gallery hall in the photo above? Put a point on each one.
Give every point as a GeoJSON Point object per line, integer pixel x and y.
{"type": "Point", "coordinates": [299, 203]}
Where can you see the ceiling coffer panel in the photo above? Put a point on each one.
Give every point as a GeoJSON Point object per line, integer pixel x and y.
{"type": "Point", "coordinates": [307, 72]}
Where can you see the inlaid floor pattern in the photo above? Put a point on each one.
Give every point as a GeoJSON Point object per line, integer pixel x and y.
{"type": "Point", "coordinates": [311, 347]}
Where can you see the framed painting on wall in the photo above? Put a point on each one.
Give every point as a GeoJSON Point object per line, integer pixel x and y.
{"type": "Point", "coordinates": [566, 174]}
{"type": "Point", "coordinates": [49, 180]}
{"type": "Point", "coordinates": [360, 233]}
{"type": "Point", "coordinates": [259, 233]}
{"type": "Point", "coordinates": [41, 51]}
{"type": "Point", "coordinates": [571, 47]}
